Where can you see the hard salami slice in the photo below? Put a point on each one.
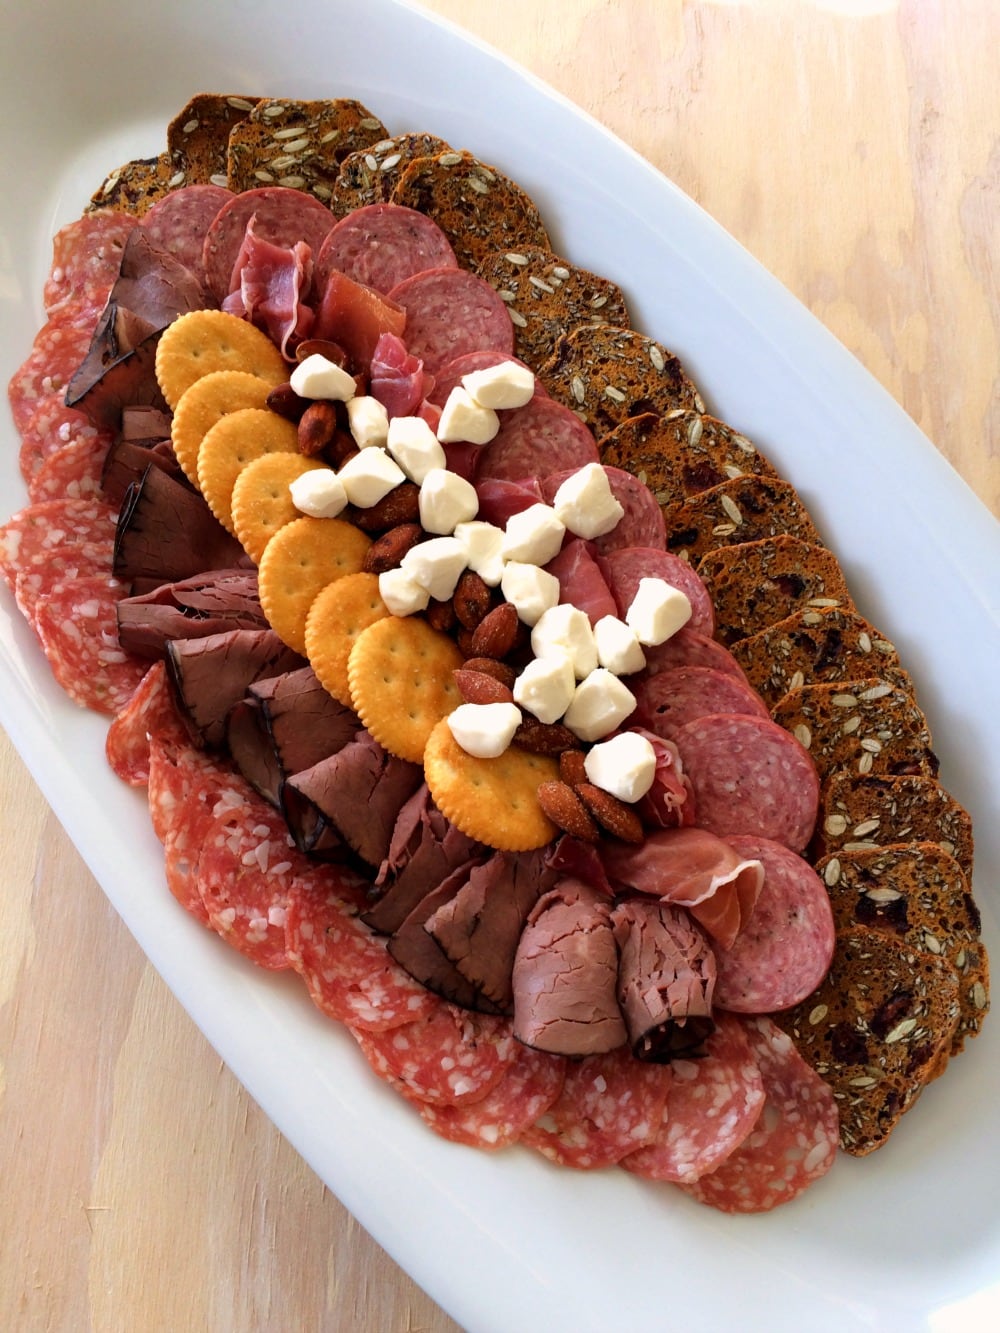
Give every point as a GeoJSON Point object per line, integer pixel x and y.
{"type": "Point", "coordinates": [345, 965]}
{"type": "Point", "coordinates": [690, 648]}
{"type": "Point", "coordinates": [151, 712]}
{"type": "Point", "coordinates": [57, 539]}
{"type": "Point", "coordinates": [712, 1105]}
{"type": "Point", "coordinates": [382, 245]}
{"type": "Point", "coordinates": [281, 216]}
{"type": "Point", "coordinates": [72, 472]}
{"type": "Point", "coordinates": [610, 1106]}
{"type": "Point", "coordinates": [668, 700]}
{"type": "Point", "coordinates": [179, 222]}
{"type": "Point", "coordinates": [450, 312]}
{"type": "Point", "coordinates": [449, 1057]}
{"type": "Point", "coordinates": [541, 435]}
{"type": "Point", "coordinates": [794, 1141]}
{"type": "Point", "coordinates": [784, 951]}
{"type": "Point", "coordinates": [76, 625]}
{"type": "Point", "coordinates": [641, 525]}
{"type": "Point", "coordinates": [86, 257]}
{"type": "Point", "coordinates": [45, 373]}
{"type": "Point", "coordinates": [51, 427]}
{"type": "Point", "coordinates": [624, 568]}
{"type": "Point", "coordinates": [449, 376]}
{"type": "Point", "coordinates": [749, 775]}
{"type": "Point", "coordinates": [525, 1092]}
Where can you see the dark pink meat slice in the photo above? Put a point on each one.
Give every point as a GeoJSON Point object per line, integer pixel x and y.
{"type": "Point", "coordinates": [150, 713]}
{"type": "Point", "coordinates": [43, 376]}
{"type": "Point", "coordinates": [625, 567]}
{"type": "Point", "coordinates": [450, 312]}
{"type": "Point", "coordinates": [642, 522]}
{"type": "Point", "coordinates": [529, 1086]}
{"type": "Point", "coordinates": [86, 257]}
{"type": "Point", "coordinates": [794, 1141]}
{"type": "Point", "coordinates": [179, 222]}
{"type": "Point", "coordinates": [784, 951]}
{"type": "Point", "coordinates": [534, 440]}
{"type": "Point", "coordinates": [448, 1058]}
{"type": "Point", "coordinates": [345, 965]}
{"type": "Point", "coordinates": [610, 1106]}
{"type": "Point", "coordinates": [500, 500]}
{"type": "Point", "coordinates": [712, 1105]}
{"type": "Point", "coordinates": [449, 376]}
{"type": "Point", "coordinates": [51, 427]}
{"type": "Point", "coordinates": [72, 472]}
{"type": "Point", "coordinates": [381, 245]}
{"type": "Point", "coordinates": [688, 647]}
{"type": "Point", "coordinates": [57, 539]}
{"type": "Point", "coordinates": [281, 216]}
{"type": "Point", "coordinates": [669, 699]}
{"type": "Point", "coordinates": [748, 775]}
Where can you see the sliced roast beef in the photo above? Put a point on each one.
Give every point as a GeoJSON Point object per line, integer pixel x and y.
{"type": "Point", "coordinates": [209, 603]}
{"type": "Point", "coordinates": [145, 425]}
{"type": "Point", "coordinates": [214, 673]}
{"type": "Point", "coordinates": [565, 974]}
{"type": "Point", "coordinates": [359, 792]}
{"type": "Point", "coordinates": [127, 460]}
{"type": "Point", "coordinates": [129, 380]}
{"type": "Point", "coordinates": [666, 979]}
{"type": "Point", "coordinates": [249, 744]}
{"type": "Point", "coordinates": [305, 722]}
{"type": "Point", "coordinates": [167, 532]}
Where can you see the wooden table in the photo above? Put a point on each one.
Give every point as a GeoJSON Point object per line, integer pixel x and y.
{"type": "Point", "coordinates": [852, 146]}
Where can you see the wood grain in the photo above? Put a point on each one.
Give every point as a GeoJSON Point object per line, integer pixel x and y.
{"type": "Point", "coordinates": [852, 146]}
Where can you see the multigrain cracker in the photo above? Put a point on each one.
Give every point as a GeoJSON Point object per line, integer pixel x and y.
{"type": "Point", "coordinates": [262, 502]}
{"type": "Point", "coordinates": [369, 175]}
{"type": "Point", "coordinates": [492, 800]}
{"type": "Point", "coordinates": [135, 186]}
{"type": "Point", "coordinates": [230, 445]}
{"type": "Point", "coordinates": [336, 618]}
{"type": "Point", "coordinates": [203, 341]}
{"type": "Point", "coordinates": [298, 562]}
{"type": "Point", "coordinates": [198, 136]}
{"type": "Point", "coordinates": [206, 402]}
{"type": "Point", "coordinates": [743, 509]}
{"type": "Point", "coordinates": [401, 680]}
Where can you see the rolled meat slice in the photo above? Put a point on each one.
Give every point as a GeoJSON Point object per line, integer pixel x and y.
{"type": "Point", "coordinates": [581, 580]}
{"type": "Point", "coordinates": [281, 215]}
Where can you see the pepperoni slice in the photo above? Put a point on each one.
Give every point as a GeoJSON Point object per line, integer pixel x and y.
{"type": "Point", "coordinates": [450, 311]}
{"type": "Point", "coordinates": [86, 258]}
{"type": "Point", "coordinates": [52, 427]}
{"type": "Point", "coordinates": [712, 1105]}
{"type": "Point", "coordinates": [610, 1106]}
{"type": "Point", "coordinates": [794, 1141]}
{"type": "Point", "coordinates": [151, 712]}
{"type": "Point", "coordinates": [624, 568]}
{"type": "Point", "coordinates": [381, 245]}
{"type": "Point", "coordinates": [45, 373]}
{"type": "Point", "coordinates": [669, 699]}
{"type": "Point", "coordinates": [525, 1092]}
{"type": "Point", "coordinates": [449, 1057]}
{"type": "Point", "coordinates": [345, 965]}
{"type": "Point", "coordinates": [542, 434]}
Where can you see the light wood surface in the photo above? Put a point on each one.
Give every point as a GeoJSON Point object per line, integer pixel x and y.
{"type": "Point", "coordinates": [853, 146]}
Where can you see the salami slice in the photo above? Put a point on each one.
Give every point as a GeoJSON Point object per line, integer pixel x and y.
{"type": "Point", "coordinates": [51, 427]}
{"type": "Point", "coordinates": [281, 216]}
{"type": "Point", "coordinates": [72, 472]}
{"type": "Point", "coordinates": [151, 712]}
{"type": "Point", "coordinates": [624, 568]}
{"type": "Point", "coordinates": [449, 312]}
{"type": "Point", "coordinates": [690, 648]}
{"type": "Point", "coordinates": [610, 1106]}
{"type": "Point", "coordinates": [527, 1089]}
{"type": "Point", "coordinates": [45, 373]}
{"type": "Point", "coordinates": [345, 965]}
{"type": "Point", "coordinates": [668, 700]}
{"type": "Point", "coordinates": [179, 222]}
{"type": "Point", "coordinates": [641, 524]}
{"type": "Point", "coordinates": [449, 376]}
{"type": "Point", "coordinates": [86, 257]}
{"type": "Point", "coordinates": [748, 775]}
{"type": "Point", "coordinates": [76, 625]}
{"type": "Point", "coordinates": [382, 245]}
{"type": "Point", "coordinates": [794, 1141]}
{"type": "Point", "coordinates": [57, 539]}
{"type": "Point", "coordinates": [449, 1057]}
{"type": "Point", "coordinates": [785, 950]}
{"type": "Point", "coordinates": [712, 1105]}
{"type": "Point", "coordinates": [542, 435]}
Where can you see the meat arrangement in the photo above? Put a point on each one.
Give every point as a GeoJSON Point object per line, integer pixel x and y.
{"type": "Point", "coordinates": [713, 977]}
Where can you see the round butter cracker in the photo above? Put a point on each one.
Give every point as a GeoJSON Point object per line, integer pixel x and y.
{"type": "Point", "coordinates": [202, 341]}
{"type": "Point", "coordinates": [336, 618]}
{"type": "Point", "coordinates": [206, 402]}
{"type": "Point", "coordinates": [238, 439]}
{"type": "Point", "coordinates": [262, 502]}
{"type": "Point", "coordinates": [298, 562]}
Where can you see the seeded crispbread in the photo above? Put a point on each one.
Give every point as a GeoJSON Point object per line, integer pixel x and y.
{"type": "Point", "coordinates": [135, 186]}
{"type": "Point", "coordinates": [369, 175]}
{"type": "Point", "coordinates": [606, 375]}
{"type": "Point", "coordinates": [298, 145]}
{"type": "Point", "coordinates": [860, 726]}
{"type": "Point", "coordinates": [477, 207]}
{"type": "Point", "coordinates": [918, 894]}
{"type": "Point", "coordinates": [756, 584]}
{"type": "Point", "coordinates": [813, 647]}
{"type": "Point", "coordinates": [744, 509]}
{"type": "Point", "coordinates": [859, 813]}
{"type": "Point", "coordinates": [681, 454]}
{"type": "Point", "coordinates": [876, 1030]}
{"type": "Point", "coordinates": [548, 296]}
{"type": "Point", "coordinates": [198, 136]}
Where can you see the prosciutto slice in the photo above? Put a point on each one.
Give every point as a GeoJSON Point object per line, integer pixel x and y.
{"type": "Point", "coordinates": [270, 283]}
{"type": "Point", "coordinates": [398, 379]}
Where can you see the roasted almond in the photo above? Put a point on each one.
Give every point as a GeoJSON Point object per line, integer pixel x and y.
{"type": "Point", "coordinates": [317, 427]}
{"type": "Point", "coordinates": [286, 402]}
{"type": "Point", "coordinates": [571, 767]}
{"type": "Point", "coordinates": [567, 811]}
{"type": "Point", "coordinates": [500, 671]}
{"type": "Point", "coordinates": [613, 815]}
{"type": "Point", "coordinates": [387, 551]}
{"type": "Point", "coordinates": [440, 616]}
{"type": "Point", "coordinates": [496, 633]}
{"type": "Point", "coordinates": [544, 737]}
{"type": "Point", "coordinates": [471, 599]}
{"type": "Point", "coordinates": [341, 447]}
{"type": "Point", "coordinates": [401, 505]}
{"type": "Point", "coordinates": [476, 687]}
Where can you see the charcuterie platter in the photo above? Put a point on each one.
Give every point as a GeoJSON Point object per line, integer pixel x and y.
{"type": "Point", "coordinates": [731, 403]}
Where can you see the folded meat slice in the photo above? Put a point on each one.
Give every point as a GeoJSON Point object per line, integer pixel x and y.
{"type": "Point", "coordinates": [209, 603]}
{"type": "Point", "coordinates": [211, 674]}
{"type": "Point", "coordinates": [271, 283]}
{"type": "Point", "coordinates": [565, 974]}
{"type": "Point", "coordinates": [398, 379]}
{"type": "Point", "coordinates": [668, 802]}
{"type": "Point", "coordinates": [167, 532]}
{"type": "Point", "coordinates": [691, 868]}
{"type": "Point", "coordinates": [357, 792]}
{"type": "Point", "coordinates": [666, 979]}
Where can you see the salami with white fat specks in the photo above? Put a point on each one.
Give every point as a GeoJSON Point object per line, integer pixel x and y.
{"type": "Point", "coordinates": [610, 1106]}
{"type": "Point", "coordinates": [150, 712]}
{"type": "Point", "coordinates": [543, 433]}
{"type": "Point", "coordinates": [72, 472]}
{"type": "Point", "coordinates": [180, 220]}
{"type": "Point", "coordinates": [624, 569]}
{"type": "Point", "coordinates": [450, 312]}
{"type": "Point", "coordinates": [669, 699]}
{"type": "Point", "coordinates": [527, 1089]}
{"type": "Point", "coordinates": [86, 257]}
{"type": "Point", "coordinates": [712, 1105]}
{"type": "Point", "coordinates": [382, 245]}
{"type": "Point", "coordinates": [794, 1141]}
{"type": "Point", "coordinates": [280, 215]}
{"type": "Point", "coordinates": [748, 775]}
{"type": "Point", "coordinates": [640, 525]}
{"type": "Point", "coordinates": [784, 951]}
{"type": "Point", "coordinates": [51, 427]}
{"type": "Point", "coordinates": [46, 371]}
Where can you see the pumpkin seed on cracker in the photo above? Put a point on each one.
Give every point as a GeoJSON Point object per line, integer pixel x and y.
{"type": "Point", "coordinates": [135, 186]}
{"type": "Point", "coordinates": [298, 145]}
{"type": "Point", "coordinates": [369, 175]}
{"type": "Point", "coordinates": [477, 207]}
{"type": "Point", "coordinates": [745, 509]}
{"type": "Point", "coordinates": [198, 136]}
